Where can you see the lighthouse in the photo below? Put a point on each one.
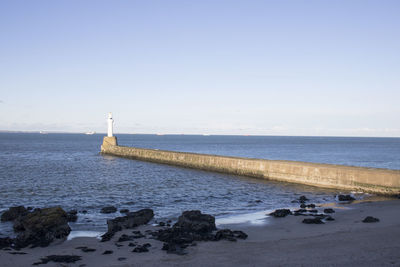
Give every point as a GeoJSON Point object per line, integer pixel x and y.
{"type": "Point", "coordinates": [109, 140]}
{"type": "Point", "coordinates": [110, 122]}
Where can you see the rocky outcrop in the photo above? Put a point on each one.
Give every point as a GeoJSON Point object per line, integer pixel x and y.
{"type": "Point", "coordinates": [196, 222]}
{"type": "Point", "coordinates": [131, 220]}
{"type": "Point", "coordinates": [109, 209]}
{"type": "Point", "coordinates": [13, 213]}
{"type": "Point", "coordinates": [41, 227]}
{"type": "Point", "coordinates": [345, 198]}
{"type": "Point", "coordinates": [280, 213]}
{"type": "Point", "coordinates": [58, 259]}
{"type": "Point", "coordinates": [72, 215]}
{"type": "Point", "coordinates": [370, 219]}
{"type": "Point", "coordinates": [313, 221]}
{"type": "Point", "coordinates": [6, 242]}
{"type": "Point", "coordinates": [193, 226]}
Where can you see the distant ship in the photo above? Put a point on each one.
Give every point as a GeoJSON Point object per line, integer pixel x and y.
{"type": "Point", "coordinates": [90, 133]}
{"type": "Point", "coordinates": [43, 132]}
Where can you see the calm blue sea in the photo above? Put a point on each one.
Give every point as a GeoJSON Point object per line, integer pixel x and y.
{"type": "Point", "coordinates": [41, 170]}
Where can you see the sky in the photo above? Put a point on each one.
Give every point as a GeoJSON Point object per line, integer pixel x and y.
{"type": "Point", "coordinates": [317, 68]}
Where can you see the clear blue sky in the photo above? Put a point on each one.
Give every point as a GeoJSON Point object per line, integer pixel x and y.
{"type": "Point", "coordinates": [218, 67]}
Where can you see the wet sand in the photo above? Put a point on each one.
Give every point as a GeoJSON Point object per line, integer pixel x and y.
{"type": "Point", "coordinates": [347, 241]}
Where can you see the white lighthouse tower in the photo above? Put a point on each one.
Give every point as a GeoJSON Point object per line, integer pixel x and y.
{"type": "Point", "coordinates": [109, 141]}
{"type": "Point", "coordinates": [110, 122]}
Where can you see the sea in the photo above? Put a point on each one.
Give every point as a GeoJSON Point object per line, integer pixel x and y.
{"type": "Point", "coordinates": [67, 170]}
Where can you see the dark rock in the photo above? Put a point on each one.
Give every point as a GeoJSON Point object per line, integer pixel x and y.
{"type": "Point", "coordinates": [143, 248]}
{"type": "Point", "coordinates": [121, 259]}
{"type": "Point", "coordinates": [240, 234]}
{"type": "Point", "coordinates": [195, 221]}
{"type": "Point", "coordinates": [303, 206]}
{"type": "Point", "coordinates": [311, 206]}
{"type": "Point", "coordinates": [29, 208]}
{"type": "Point", "coordinates": [303, 198]}
{"type": "Point", "coordinates": [119, 245]}
{"type": "Point", "coordinates": [6, 242]}
{"type": "Point", "coordinates": [59, 258]}
{"type": "Point", "coordinates": [88, 249]}
{"type": "Point", "coordinates": [227, 234]}
{"type": "Point", "coordinates": [124, 211]}
{"type": "Point", "coordinates": [17, 253]}
{"type": "Point", "coordinates": [329, 211]}
{"type": "Point", "coordinates": [280, 213]}
{"type": "Point", "coordinates": [13, 213]}
{"type": "Point", "coordinates": [161, 224]}
{"type": "Point", "coordinates": [370, 219]}
{"type": "Point", "coordinates": [130, 220]}
{"type": "Point", "coordinates": [84, 211]}
{"type": "Point", "coordinates": [313, 211]}
{"type": "Point", "coordinates": [313, 221]}
{"type": "Point", "coordinates": [131, 244]}
{"type": "Point", "coordinates": [346, 198]}
{"type": "Point", "coordinates": [72, 216]}
{"type": "Point", "coordinates": [174, 249]}
{"type": "Point", "coordinates": [42, 226]}
{"type": "Point", "coordinates": [329, 218]}
{"type": "Point", "coordinates": [108, 252]}
{"type": "Point", "coordinates": [108, 209]}
{"type": "Point", "coordinates": [124, 238]}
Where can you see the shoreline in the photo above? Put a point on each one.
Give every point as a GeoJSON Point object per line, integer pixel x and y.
{"type": "Point", "coordinates": [281, 241]}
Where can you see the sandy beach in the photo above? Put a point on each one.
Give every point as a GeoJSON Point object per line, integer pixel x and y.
{"type": "Point", "coordinates": [346, 241]}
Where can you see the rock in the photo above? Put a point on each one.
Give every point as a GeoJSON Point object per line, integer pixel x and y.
{"type": "Point", "coordinates": [6, 242]}
{"type": "Point", "coordinates": [86, 249]}
{"type": "Point", "coordinates": [59, 258]}
{"type": "Point", "coordinates": [161, 224]}
{"type": "Point", "coordinates": [329, 211]}
{"type": "Point", "coordinates": [303, 198]}
{"type": "Point", "coordinates": [311, 206]}
{"type": "Point", "coordinates": [42, 226]}
{"type": "Point", "coordinates": [108, 252]}
{"type": "Point", "coordinates": [72, 216]}
{"type": "Point", "coordinates": [140, 249]}
{"type": "Point", "coordinates": [280, 213]}
{"type": "Point", "coordinates": [313, 221]}
{"type": "Point", "coordinates": [132, 244]}
{"type": "Point", "coordinates": [17, 253]}
{"type": "Point", "coordinates": [13, 213]}
{"type": "Point", "coordinates": [346, 198]}
{"type": "Point", "coordinates": [124, 211]}
{"type": "Point", "coordinates": [303, 206]}
{"type": "Point", "coordinates": [124, 238]}
{"type": "Point", "coordinates": [108, 209]}
{"type": "Point", "coordinates": [174, 249]}
{"type": "Point", "coordinates": [193, 226]}
{"type": "Point", "coordinates": [195, 221]}
{"type": "Point", "coordinates": [121, 259]}
{"type": "Point", "coordinates": [370, 219]}
{"type": "Point", "coordinates": [329, 218]}
{"type": "Point", "coordinates": [137, 234]}
{"type": "Point", "coordinates": [229, 235]}
{"type": "Point", "coordinates": [313, 211]}
{"type": "Point", "coordinates": [130, 220]}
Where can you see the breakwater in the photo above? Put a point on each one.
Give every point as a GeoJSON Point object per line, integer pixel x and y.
{"type": "Point", "coordinates": [381, 181]}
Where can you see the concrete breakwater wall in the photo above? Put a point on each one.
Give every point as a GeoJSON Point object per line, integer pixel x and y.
{"type": "Point", "coordinates": [381, 181]}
